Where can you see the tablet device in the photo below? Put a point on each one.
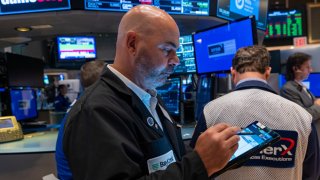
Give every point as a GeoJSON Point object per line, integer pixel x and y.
{"type": "Point", "coordinates": [253, 139]}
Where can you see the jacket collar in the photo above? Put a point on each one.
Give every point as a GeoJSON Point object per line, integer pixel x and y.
{"type": "Point", "coordinates": [129, 96]}
{"type": "Point", "coordinates": [254, 84]}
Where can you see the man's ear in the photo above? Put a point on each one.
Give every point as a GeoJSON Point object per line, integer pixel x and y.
{"type": "Point", "coordinates": [268, 72]}
{"type": "Point", "coordinates": [131, 41]}
{"type": "Point", "coordinates": [233, 74]}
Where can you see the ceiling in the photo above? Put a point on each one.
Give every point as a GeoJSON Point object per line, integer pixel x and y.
{"type": "Point", "coordinates": [80, 22]}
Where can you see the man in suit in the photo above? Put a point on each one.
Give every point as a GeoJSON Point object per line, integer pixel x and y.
{"type": "Point", "coordinates": [296, 155]}
{"type": "Point", "coordinates": [298, 69]}
{"type": "Point", "coordinates": [117, 130]}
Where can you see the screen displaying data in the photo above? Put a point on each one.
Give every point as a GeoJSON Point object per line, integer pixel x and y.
{"type": "Point", "coordinates": [283, 24]}
{"type": "Point", "coordinates": [256, 136]}
{"type": "Point", "coordinates": [192, 7]}
{"type": "Point", "coordinates": [235, 9]}
{"type": "Point", "coordinates": [185, 54]}
{"type": "Point", "coordinates": [215, 47]}
{"type": "Point", "coordinates": [170, 94]}
{"type": "Point", "coordinates": [72, 48]}
{"type": "Point", "coordinates": [31, 6]}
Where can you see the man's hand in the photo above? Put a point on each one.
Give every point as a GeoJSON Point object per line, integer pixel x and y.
{"type": "Point", "coordinates": [216, 145]}
{"type": "Point", "coordinates": [317, 102]}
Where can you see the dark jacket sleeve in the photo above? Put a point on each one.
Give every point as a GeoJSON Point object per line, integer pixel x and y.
{"type": "Point", "coordinates": [200, 127]}
{"type": "Point", "coordinates": [291, 95]}
{"type": "Point", "coordinates": [100, 144]}
{"type": "Point", "coordinates": [311, 164]}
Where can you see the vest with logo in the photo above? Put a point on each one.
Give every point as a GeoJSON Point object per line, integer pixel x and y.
{"type": "Point", "coordinates": [282, 161]}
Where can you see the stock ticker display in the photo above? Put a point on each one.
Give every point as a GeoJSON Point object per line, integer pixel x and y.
{"type": "Point", "coordinates": [170, 94]}
{"type": "Point", "coordinates": [192, 7]}
{"type": "Point", "coordinates": [31, 6]}
{"type": "Point", "coordinates": [186, 55]}
{"type": "Point", "coordinates": [282, 24]}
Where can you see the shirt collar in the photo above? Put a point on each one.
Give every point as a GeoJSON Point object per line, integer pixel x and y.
{"type": "Point", "coordinates": [251, 79]}
{"type": "Point", "coordinates": [142, 94]}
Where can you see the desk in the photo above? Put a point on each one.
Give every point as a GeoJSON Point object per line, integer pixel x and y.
{"type": "Point", "coordinates": [38, 142]}
{"type": "Point", "coordinates": [30, 158]}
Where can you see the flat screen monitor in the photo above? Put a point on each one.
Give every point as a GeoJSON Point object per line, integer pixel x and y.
{"type": "Point", "coordinates": [312, 83]}
{"type": "Point", "coordinates": [23, 104]}
{"type": "Point", "coordinates": [24, 71]}
{"type": "Point", "coordinates": [187, 7]}
{"type": "Point", "coordinates": [30, 6]}
{"type": "Point", "coordinates": [76, 48]}
{"type": "Point", "coordinates": [235, 9]}
{"type": "Point", "coordinates": [185, 54]}
{"type": "Point", "coordinates": [170, 94]}
{"type": "Point", "coordinates": [284, 24]}
{"type": "Point", "coordinates": [215, 47]}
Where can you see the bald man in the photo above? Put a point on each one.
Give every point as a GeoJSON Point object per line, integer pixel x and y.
{"type": "Point", "coordinates": [119, 130]}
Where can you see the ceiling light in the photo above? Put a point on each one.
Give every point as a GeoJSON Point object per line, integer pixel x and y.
{"type": "Point", "coordinates": [44, 26]}
{"type": "Point", "coordinates": [23, 29]}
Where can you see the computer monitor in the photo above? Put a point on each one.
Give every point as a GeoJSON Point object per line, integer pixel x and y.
{"type": "Point", "coordinates": [170, 94]}
{"type": "Point", "coordinates": [313, 84]}
{"type": "Point", "coordinates": [284, 24]}
{"type": "Point", "coordinates": [24, 71]}
{"type": "Point", "coordinates": [8, 7]}
{"type": "Point", "coordinates": [185, 54]}
{"type": "Point", "coordinates": [215, 47]}
{"type": "Point", "coordinates": [23, 104]}
{"type": "Point", "coordinates": [236, 9]}
{"type": "Point", "coordinates": [186, 7]}
{"type": "Point", "coordinates": [76, 48]}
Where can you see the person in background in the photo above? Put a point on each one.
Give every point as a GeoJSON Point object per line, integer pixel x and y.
{"type": "Point", "coordinates": [296, 155]}
{"type": "Point", "coordinates": [119, 130]}
{"type": "Point", "coordinates": [62, 102]}
{"type": "Point", "coordinates": [298, 69]}
{"type": "Point", "coordinates": [90, 72]}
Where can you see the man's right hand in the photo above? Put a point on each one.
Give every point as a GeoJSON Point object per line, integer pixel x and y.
{"type": "Point", "coordinates": [216, 145]}
{"type": "Point", "coordinates": [317, 102]}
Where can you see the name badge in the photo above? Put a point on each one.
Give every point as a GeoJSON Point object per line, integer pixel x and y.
{"type": "Point", "coordinates": [160, 162]}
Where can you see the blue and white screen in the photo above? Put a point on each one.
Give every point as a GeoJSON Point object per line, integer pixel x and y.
{"type": "Point", "coordinates": [235, 9]}
{"type": "Point", "coordinates": [23, 103]}
{"type": "Point", "coordinates": [248, 142]}
{"type": "Point", "coordinates": [215, 48]}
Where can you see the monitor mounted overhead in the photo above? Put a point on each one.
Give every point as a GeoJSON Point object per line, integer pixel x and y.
{"type": "Point", "coordinates": [215, 47]}
{"type": "Point", "coordinates": [76, 48]}
{"type": "Point", "coordinates": [31, 6]}
{"type": "Point", "coordinates": [186, 7]}
{"type": "Point", "coordinates": [283, 25]}
{"type": "Point", "coordinates": [236, 9]}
